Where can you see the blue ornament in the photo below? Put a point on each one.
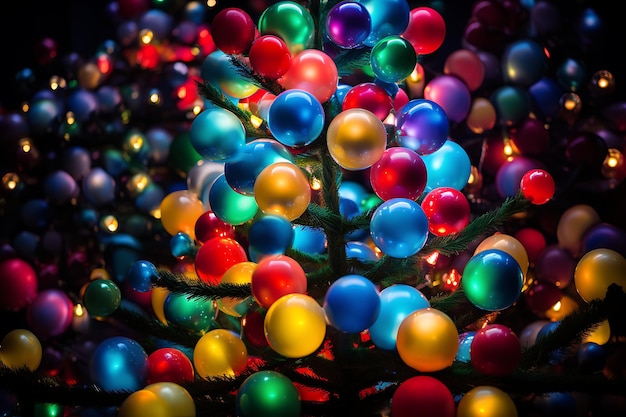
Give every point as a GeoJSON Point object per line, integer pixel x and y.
{"type": "Point", "coordinates": [545, 95]}
{"type": "Point", "coordinates": [296, 118]}
{"type": "Point", "coordinates": [422, 126]}
{"type": "Point", "coordinates": [60, 187]}
{"type": "Point", "coordinates": [396, 303]}
{"type": "Point", "coordinates": [591, 357]}
{"type": "Point", "coordinates": [141, 275]}
{"type": "Point", "coordinates": [119, 364]}
{"type": "Point", "coordinates": [348, 210]}
{"type": "Point", "coordinates": [150, 198]}
{"type": "Point", "coordinates": [361, 251]}
{"type": "Point", "coordinates": [271, 235]}
{"type": "Point", "coordinates": [555, 404]}
{"type": "Point", "coordinates": [465, 341]}
{"type": "Point", "coordinates": [36, 214]}
{"type": "Point", "coordinates": [309, 240]}
{"type": "Point", "coordinates": [448, 166]}
{"type": "Point", "coordinates": [389, 17]}
{"type": "Point", "coordinates": [523, 62]}
{"type": "Point", "coordinates": [181, 245]}
{"type": "Point", "coordinates": [399, 227]}
{"type": "Point", "coordinates": [99, 187]}
{"type": "Point", "coordinates": [217, 134]}
{"type": "Point", "coordinates": [352, 303]}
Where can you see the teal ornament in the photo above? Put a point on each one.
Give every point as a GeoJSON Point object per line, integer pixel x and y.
{"type": "Point", "coordinates": [102, 297]}
{"type": "Point", "coordinates": [193, 314]}
{"type": "Point", "coordinates": [217, 134]}
{"type": "Point", "coordinates": [393, 59]}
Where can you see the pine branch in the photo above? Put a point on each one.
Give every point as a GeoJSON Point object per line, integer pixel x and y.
{"type": "Point", "coordinates": [196, 288]}
{"type": "Point", "coordinates": [254, 78]}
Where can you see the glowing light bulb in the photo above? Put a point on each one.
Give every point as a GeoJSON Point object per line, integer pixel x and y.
{"type": "Point", "coordinates": [110, 223]}
{"type": "Point", "coordinates": [10, 181]}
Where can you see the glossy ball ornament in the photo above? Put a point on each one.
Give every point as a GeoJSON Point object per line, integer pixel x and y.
{"type": "Point", "coordinates": [194, 315]}
{"type": "Point", "coordinates": [392, 240]}
{"type": "Point", "coordinates": [591, 357]}
{"type": "Point", "coordinates": [252, 328]}
{"type": "Point", "coordinates": [555, 265]}
{"type": "Point", "coordinates": [389, 17]}
{"type": "Point", "coordinates": [141, 275]}
{"type": "Point", "coordinates": [512, 104]}
{"type": "Point", "coordinates": [208, 226]}
{"type": "Point", "coordinates": [398, 173]}
{"type": "Point", "coordinates": [241, 174]}
{"type": "Point", "coordinates": [492, 280]}
{"type": "Point", "coordinates": [422, 126]}
{"type": "Point", "coordinates": [596, 271]}
{"type": "Point", "coordinates": [180, 211]}
{"type": "Point", "coordinates": [466, 65]}
{"type": "Point", "coordinates": [426, 30]}
{"type": "Point", "coordinates": [238, 274]}
{"type": "Point", "coordinates": [495, 350]}
{"type": "Point", "coordinates": [219, 353]}
{"type": "Point", "coordinates": [270, 57]}
{"type": "Point", "coordinates": [424, 393]}
{"type": "Point", "coordinates": [351, 303]}
{"type": "Point", "coordinates": [348, 24]}
{"type": "Point", "coordinates": [60, 187]}
{"type": "Point", "coordinates": [267, 393]}
{"type": "Point", "coordinates": [217, 134]}
{"type": "Point", "coordinates": [143, 403]}
{"type": "Point", "coordinates": [533, 240]}
{"type": "Point", "coordinates": [50, 314]}
{"type": "Point", "coordinates": [215, 256]}
{"type": "Point", "coordinates": [276, 276]}
{"type": "Point", "coordinates": [295, 118]}
{"type": "Point", "coordinates": [271, 234]}
{"type": "Point", "coordinates": [427, 340]}
{"type": "Point", "coordinates": [605, 235]}
{"type": "Point", "coordinates": [309, 239]}
{"type": "Point", "coordinates": [99, 187]}
{"type": "Point", "coordinates": [169, 364]}
{"type": "Point", "coordinates": [465, 342]}
{"type": "Point", "coordinates": [295, 325]}
{"type": "Point", "coordinates": [486, 401]}
{"type": "Point", "coordinates": [313, 71]}
{"type": "Point", "coordinates": [510, 173]}
{"type": "Point", "coordinates": [447, 210]}
{"type": "Point", "coordinates": [181, 245]}
{"type": "Point", "coordinates": [451, 94]}
{"type": "Point", "coordinates": [361, 251]}
{"type": "Point", "coordinates": [282, 189]}
{"type": "Point", "coordinates": [119, 363]}
{"type": "Point", "coordinates": [538, 186]}
{"type": "Point", "coordinates": [523, 62]}
{"type": "Point", "coordinates": [448, 166]}
{"type": "Point", "coordinates": [18, 284]}
{"type": "Point", "coordinates": [218, 70]}
{"type": "Point", "coordinates": [573, 225]}
{"type": "Point", "coordinates": [102, 297]}
{"type": "Point", "coordinates": [542, 296]}
{"type": "Point", "coordinates": [228, 205]}
{"type": "Point", "coordinates": [21, 348]}
{"type": "Point", "coordinates": [290, 21]}
{"type": "Point", "coordinates": [508, 244]}
{"type": "Point", "coordinates": [393, 59]}
{"type": "Point", "coordinates": [356, 139]}
{"type": "Point", "coordinates": [233, 30]}
{"type": "Point", "coordinates": [178, 401]}
{"type": "Point", "coordinates": [396, 303]}
{"type": "Point", "coordinates": [481, 116]}
{"type": "Point", "coordinates": [368, 96]}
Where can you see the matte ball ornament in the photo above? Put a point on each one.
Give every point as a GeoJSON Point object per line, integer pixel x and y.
{"type": "Point", "coordinates": [276, 276]}
{"type": "Point", "coordinates": [537, 186]}
{"type": "Point", "coordinates": [348, 24]}
{"type": "Point", "coordinates": [422, 126]}
{"type": "Point", "coordinates": [233, 30]}
{"type": "Point", "coordinates": [427, 340]}
{"type": "Point", "coordinates": [368, 96]}
{"type": "Point", "coordinates": [180, 211]}
{"type": "Point", "coordinates": [99, 187]}
{"type": "Point", "coordinates": [230, 206]}
{"type": "Point", "coordinates": [394, 241]}
{"type": "Point", "coordinates": [313, 71]}
{"type": "Point", "coordinates": [21, 348]}
{"type": "Point", "coordinates": [448, 166]}
{"type": "Point", "coordinates": [290, 21]}
{"type": "Point", "coordinates": [424, 393]}
{"type": "Point", "coordinates": [119, 363]}
{"type": "Point", "coordinates": [143, 403]}
{"type": "Point", "coordinates": [486, 401]}
{"type": "Point", "coordinates": [60, 187]}
{"type": "Point", "coordinates": [393, 59]}
{"type": "Point", "coordinates": [508, 244]}
{"type": "Point", "coordinates": [605, 235]}
{"type": "Point", "coordinates": [217, 134]}
{"type": "Point", "coordinates": [399, 173]}
{"type": "Point", "coordinates": [481, 116]}
{"type": "Point", "coordinates": [169, 364]}
{"type": "Point", "coordinates": [351, 303]}
{"type": "Point", "coordinates": [267, 393]}
{"type": "Point", "coordinates": [495, 350]}
{"type": "Point", "coordinates": [215, 256]}
{"type": "Point", "coordinates": [596, 271]}
{"type": "Point", "coordinates": [466, 65]}
{"type": "Point", "coordinates": [452, 94]}
{"type": "Point", "coordinates": [282, 189]}
{"type": "Point", "coordinates": [447, 210]}
{"type": "Point", "coordinates": [533, 240]}
{"type": "Point", "coordinates": [556, 265]}
{"type": "Point", "coordinates": [492, 280]}
{"type": "Point", "coordinates": [178, 401]}
{"type": "Point", "coordinates": [220, 353]}
{"type": "Point", "coordinates": [102, 297]}
{"type": "Point", "coordinates": [50, 314]}
{"type": "Point", "coordinates": [295, 325]}
{"type": "Point", "coordinates": [356, 139]}
{"type": "Point", "coordinates": [269, 56]}
{"type": "Point", "coordinates": [512, 104]}
{"type": "Point", "coordinates": [572, 226]}
{"type": "Point", "coordinates": [426, 30]}
{"type": "Point", "coordinates": [296, 118]}
{"type": "Point", "coordinates": [18, 284]}
{"type": "Point", "coordinates": [396, 303]}
{"type": "Point", "coordinates": [141, 275]}
{"type": "Point", "coordinates": [531, 137]}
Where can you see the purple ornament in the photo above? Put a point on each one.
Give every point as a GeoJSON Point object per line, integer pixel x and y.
{"type": "Point", "coordinates": [348, 24]}
{"type": "Point", "coordinates": [555, 265]}
{"type": "Point", "coordinates": [605, 235]}
{"type": "Point", "coordinates": [50, 314]}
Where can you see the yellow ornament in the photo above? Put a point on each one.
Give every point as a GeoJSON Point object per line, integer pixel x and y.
{"type": "Point", "coordinates": [157, 298]}
{"type": "Point", "coordinates": [282, 188]}
{"type": "Point", "coordinates": [220, 353]}
{"type": "Point", "coordinates": [179, 212]}
{"type": "Point", "coordinates": [21, 348]}
{"type": "Point", "coordinates": [427, 340]}
{"type": "Point", "coordinates": [143, 403]}
{"type": "Point", "coordinates": [240, 274]}
{"type": "Point", "coordinates": [597, 270]}
{"type": "Point", "coordinates": [572, 226]}
{"type": "Point", "coordinates": [486, 401]}
{"type": "Point", "coordinates": [179, 401]}
{"type": "Point", "coordinates": [600, 335]}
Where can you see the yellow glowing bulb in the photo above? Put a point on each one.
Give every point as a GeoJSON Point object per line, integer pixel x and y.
{"type": "Point", "coordinates": [316, 184]}
{"type": "Point", "coordinates": [10, 181]}
{"type": "Point", "coordinates": [25, 145]}
{"type": "Point", "coordinates": [69, 118]}
{"type": "Point", "coordinates": [110, 223]}
{"type": "Point", "coordinates": [146, 36]}
{"type": "Point", "coordinates": [155, 98]}
{"type": "Point", "coordinates": [211, 3]}
{"type": "Point", "coordinates": [78, 310]}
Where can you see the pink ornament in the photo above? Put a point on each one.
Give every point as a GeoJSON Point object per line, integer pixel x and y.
{"type": "Point", "coordinates": [18, 284]}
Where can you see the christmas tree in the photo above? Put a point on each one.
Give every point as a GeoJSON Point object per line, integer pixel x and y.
{"type": "Point", "coordinates": [316, 208]}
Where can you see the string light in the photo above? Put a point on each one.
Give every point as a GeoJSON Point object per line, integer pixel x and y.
{"type": "Point", "coordinates": [110, 223]}
{"type": "Point", "coordinates": [10, 181]}
{"type": "Point", "coordinates": [57, 83]}
{"type": "Point", "coordinates": [146, 36]}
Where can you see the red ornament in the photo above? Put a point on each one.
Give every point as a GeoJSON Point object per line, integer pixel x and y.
{"type": "Point", "coordinates": [399, 173]}
{"type": "Point", "coordinates": [169, 365]}
{"type": "Point", "coordinates": [270, 57]}
{"type": "Point", "coordinates": [495, 350]}
{"type": "Point", "coordinates": [533, 241]}
{"type": "Point", "coordinates": [538, 186]}
{"type": "Point", "coordinates": [542, 296]}
{"type": "Point", "coordinates": [447, 211]}
{"type": "Point", "coordinates": [233, 30]}
{"type": "Point", "coordinates": [215, 256]}
{"type": "Point", "coordinates": [275, 276]}
{"type": "Point", "coordinates": [369, 96]}
{"type": "Point", "coordinates": [209, 226]}
{"type": "Point", "coordinates": [422, 396]}
{"type": "Point", "coordinates": [18, 284]}
{"type": "Point", "coordinates": [252, 325]}
{"type": "Point", "coordinates": [426, 30]}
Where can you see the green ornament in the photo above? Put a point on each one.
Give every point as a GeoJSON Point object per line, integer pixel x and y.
{"type": "Point", "coordinates": [183, 156]}
{"type": "Point", "coordinates": [267, 394]}
{"type": "Point", "coordinates": [291, 22]}
{"type": "Point", "coordinates": [193, 314]}
{"type": "Point", "coordinates": [48, 410]}
{"type": "Point", "coordinates": [393, 59]}
{"type": "Point", "coordinates": [102, 297]}
{"type": "Point", "coordinates": [512, 104]}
